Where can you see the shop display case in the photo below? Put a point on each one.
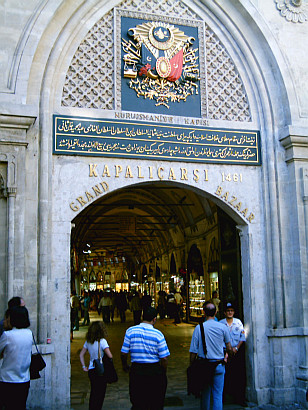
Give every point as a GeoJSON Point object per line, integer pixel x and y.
{"type": "Point", "coordinates": [196, 298]}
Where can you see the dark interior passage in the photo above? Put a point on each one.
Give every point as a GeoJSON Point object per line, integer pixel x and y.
{"type": "Point", "coordinates": [158, 237]}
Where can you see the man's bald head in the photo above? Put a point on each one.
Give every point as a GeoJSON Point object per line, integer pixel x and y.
{"type": "Point", "coordinates": [209, 309]}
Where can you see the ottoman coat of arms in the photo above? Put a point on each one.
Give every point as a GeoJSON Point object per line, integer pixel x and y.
{"type": "Point", "coordinates": [161, 63]}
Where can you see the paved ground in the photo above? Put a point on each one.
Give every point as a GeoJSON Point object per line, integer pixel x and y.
{"type": "Point", "coordinates": [178, 338]}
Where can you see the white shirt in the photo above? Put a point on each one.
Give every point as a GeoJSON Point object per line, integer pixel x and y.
{"type": "Point", "coordinates": [105, 301]}
{"type": "Point", "coordinates": [16, 345]}
{"type": "Point", "coordinates": [178, 298]}
{"type": "Point", "coordinates": [236, 329]}
{"type": "Point", "coordinates": [93, 350]}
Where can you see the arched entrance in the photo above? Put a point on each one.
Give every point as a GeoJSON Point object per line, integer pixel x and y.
{"type": "Point", "coordinates": [136, 237]}
{"type": "Point", "coordinates": [155, 237]}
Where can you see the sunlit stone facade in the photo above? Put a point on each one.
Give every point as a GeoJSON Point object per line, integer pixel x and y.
{"type": "Point", "coordinates": [62, 57]}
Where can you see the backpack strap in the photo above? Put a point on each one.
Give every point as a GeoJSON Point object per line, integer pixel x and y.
{"type": "Point", "coordinates": [203, 339]}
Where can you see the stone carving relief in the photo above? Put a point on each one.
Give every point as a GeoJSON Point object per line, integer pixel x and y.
{"type": "Point", "coordinates": [293, 10]}
{"type": "Point", "coordinates": [89, 80]}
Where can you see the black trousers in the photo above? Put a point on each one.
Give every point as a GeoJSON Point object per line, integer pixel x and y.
{"type": "Point", "coordinates": [147, 386]}
{"type": "Point", "coordinates": [122, 315]}
{"type": "Point", "coordinates": [98, 390]}
{"type": "Point", "coordinates": [13, 396]}
{"type": "Point", "coordinates": [235, 377]}
{"type": "Point", "coordinates": [106, 314]}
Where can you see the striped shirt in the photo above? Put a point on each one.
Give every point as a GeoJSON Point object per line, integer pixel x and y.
{"type": "Point", "coordinates": [145, 344]}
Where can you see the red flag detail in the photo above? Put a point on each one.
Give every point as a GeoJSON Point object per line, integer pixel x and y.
{"type": "Point", "coordinates": [176, 66]}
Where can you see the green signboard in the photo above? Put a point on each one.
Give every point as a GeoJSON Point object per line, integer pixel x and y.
{"type": "Point", "coordinates": [140, 140]}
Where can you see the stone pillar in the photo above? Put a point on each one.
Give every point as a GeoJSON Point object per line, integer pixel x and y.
{"type": "Point", "coordinates": [305, 200]}
{"type": "Point", "coordinates": [302, 372]}
{"type": "Point", "coordinates": [11, 193]}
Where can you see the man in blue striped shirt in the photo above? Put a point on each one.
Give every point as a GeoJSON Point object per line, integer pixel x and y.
{"type": "Point", "coordinates": [149, 356]}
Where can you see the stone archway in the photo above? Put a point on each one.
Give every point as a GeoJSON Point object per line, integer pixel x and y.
{"type": "Point", "coordinates": [135, 201]}
{"type": "Point", "coordinates": [263, 93]}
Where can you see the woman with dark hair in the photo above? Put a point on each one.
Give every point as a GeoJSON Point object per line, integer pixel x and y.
{"type": "Point", "coordinates": [95, 339]}
{"type": "Point", "coordinates": [16, 345]}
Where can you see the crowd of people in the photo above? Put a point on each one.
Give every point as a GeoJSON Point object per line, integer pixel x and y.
{"type": "Point", "coordinates": [149, 351]}
{"type": "Point", "coordinates": [109, 303]}
{"type": "Point", "coordinates": [146, 346]}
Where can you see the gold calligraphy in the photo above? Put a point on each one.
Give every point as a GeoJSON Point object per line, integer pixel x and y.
{"type": "Point", "coordinates": [134, 140]}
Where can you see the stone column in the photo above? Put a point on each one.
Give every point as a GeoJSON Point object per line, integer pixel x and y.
{"type": "Point", "coordinates": [11, 193]}
{"type": "Point", "coordinates": [305, 200]}
{"type": "Point", "coordinates": [302, 372]}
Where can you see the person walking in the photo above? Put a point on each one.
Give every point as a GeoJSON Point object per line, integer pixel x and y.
{"type": "Point", "coordinates": [122, 305]}
{"type": "Point", "coordinates": [104, 306]}
{"type": "Point", "coordinates": [75, 310]}
{"type": "Point", "coordinates": [86, 307]}
{"type": "Point", "coordinates": [149, 356]}
{"type": "Point", "coordinates": [95, 339]}
{"type": "Point", "coordinates": [146, 301]}
{"type": "Point", "coordinates": [16, 346]}
{"type": "Point", "coordinates": [113, 304]}
{"type": "Point", "coordinates": [235, 377]}
{"type": "Point", "coordinates": [171, 306]}
{"type": "Point", "coordinates": [161, 304]}
{"type": "Point", "coordinates": [179, 300]}
{"type": "Point", "coordinates": [216, 301]}
{"type": "Point", "coordinates": [135, 305]}
{"type": "Point", "coordinates": [216, 338]}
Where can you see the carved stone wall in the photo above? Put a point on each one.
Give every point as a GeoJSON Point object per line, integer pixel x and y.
{"type": "Point", "coordinates": [89, 80]}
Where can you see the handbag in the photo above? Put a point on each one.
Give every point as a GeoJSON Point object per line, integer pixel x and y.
{"type": "Point", "coordinates": [37, 363]}
{"type": "Point", "coordinates": [201, 371]}
{"type": "Point", "coordinates": [110, 372]}
{"type": "Point", "coordinates": [98, 363]}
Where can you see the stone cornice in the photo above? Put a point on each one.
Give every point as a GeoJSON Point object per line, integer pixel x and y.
{"type": "Point", "coordinates": [17, 116]}
{"type": "Point", "coordinates": [295, 142]}
{"type": "Point", "coordinates": [288, 332]}
{"type": "Point", "coordinates": [17, 143]}
{"type": "Point", "coordinates": [16, 121]}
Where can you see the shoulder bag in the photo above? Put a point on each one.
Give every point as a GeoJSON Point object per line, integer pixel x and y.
{"type": "Point", "coordinates": [37, 363]}
{"type": "Point", "coordinates": [110, 371]}
{"type": "Point", "coordinates": [104, 367]}
{"type": "Point", "coordinates": [98, 363]}
{"type": "Point", "coordinates": [201, 371]}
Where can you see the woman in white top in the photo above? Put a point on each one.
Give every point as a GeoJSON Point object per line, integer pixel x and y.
{"type": "Point", "coordinates": [16, 345]}
{"type": "Point", "coordinates": [96, 335]}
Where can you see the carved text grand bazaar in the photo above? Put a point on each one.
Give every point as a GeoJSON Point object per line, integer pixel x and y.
{"type": "Point", "coordinates": [163, 173]}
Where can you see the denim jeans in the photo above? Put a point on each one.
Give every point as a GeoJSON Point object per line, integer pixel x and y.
{"type": "Point", "coordinates": [216, 388]}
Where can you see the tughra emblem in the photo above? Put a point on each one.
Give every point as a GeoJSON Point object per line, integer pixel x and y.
{"type": "Point", "coordinates": [161, 63]}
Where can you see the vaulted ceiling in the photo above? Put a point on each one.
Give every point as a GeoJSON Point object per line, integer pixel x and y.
{"type": "Point", "coordinates": [138, 222]}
